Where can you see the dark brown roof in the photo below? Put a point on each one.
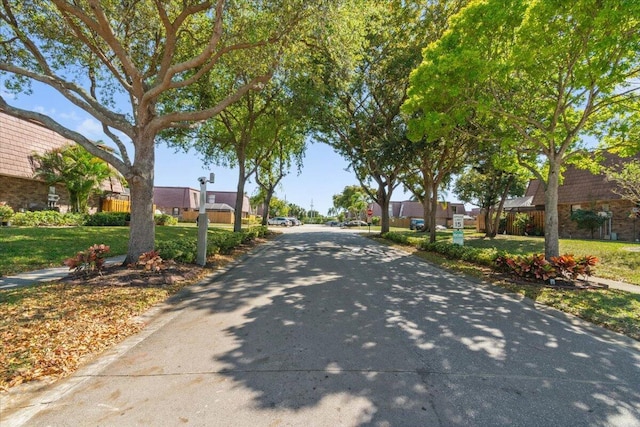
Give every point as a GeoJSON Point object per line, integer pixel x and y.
{"type": "Point", "coordinates": [582, 186]}
{"type": "Point", "coordinates": [20, 139]}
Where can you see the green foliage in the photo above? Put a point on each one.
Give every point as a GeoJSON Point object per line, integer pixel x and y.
{"type": "Point", "coordinates": [78, 170]}
{"type": "Point", "coordinates": [588, 220]}
{"type": "Point", "coordinates": [89, 261]}
{"type": "Point", "coordinates": [6, 212]}
{"type": "Point", "coordinates": [180, 250]}
{"type": "Point", "coordinates": [521, 221]}
{"type": "Point", "coordinates": [397, 237]}
{"type": "Point", "coordinates": [627, 178]}
{"type": "Point", "coordinates": [485, 257]}
{"type": "Point", "coordinates": [164, 219]}
{"type": "Point", "coordinates": [47, 219]}
{"type": "Point", "coordinates": [104, 219]}
{"type": "Point", "coordinates": [224, 241]}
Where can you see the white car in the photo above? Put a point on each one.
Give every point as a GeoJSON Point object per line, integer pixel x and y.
{"type": "Point", "coordinates": [279, 220]}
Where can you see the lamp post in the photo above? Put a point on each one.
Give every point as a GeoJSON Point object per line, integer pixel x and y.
{"type": "Point", "coordinates": [203, 221]}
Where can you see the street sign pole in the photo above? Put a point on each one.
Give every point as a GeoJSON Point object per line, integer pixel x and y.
{"type": "Point", "coordinates": [458, 233]}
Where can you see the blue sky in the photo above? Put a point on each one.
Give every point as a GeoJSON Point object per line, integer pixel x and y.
{"type": "Point", "coordinates": [323, 173]}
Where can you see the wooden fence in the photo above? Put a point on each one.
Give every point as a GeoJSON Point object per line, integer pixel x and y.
{"type": "Point", "coordinates": [214, 217]}
{"type": "Point", "coordinates": [535, 225]}
{"type": "Point", "coordinates": [112, 205]}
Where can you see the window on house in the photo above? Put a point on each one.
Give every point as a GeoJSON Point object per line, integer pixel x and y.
{"type": "Point", "coordinates": [454, 209]}
{"type": "Point", "coordinates": [176, 211]}
{"type": "Point", "coordinates": [575, 208]}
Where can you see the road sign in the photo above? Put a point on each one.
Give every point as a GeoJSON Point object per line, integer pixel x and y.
{"type": "Point", "coordinates": [458, 221]}
{"type": "Point", "coordinates": [458, 237]}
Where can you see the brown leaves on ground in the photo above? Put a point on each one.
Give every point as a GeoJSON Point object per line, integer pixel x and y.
{"type": "Point", "coordinates": [48, 330]}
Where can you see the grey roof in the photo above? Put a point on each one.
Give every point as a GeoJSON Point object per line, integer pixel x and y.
{"type": "Point", "coordinates": [218, 207]}
{"type": "Point", "coordinates": [518, 202]}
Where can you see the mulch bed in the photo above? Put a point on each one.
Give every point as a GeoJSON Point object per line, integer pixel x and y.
{"type": "Point", "coordinates": [119, 275]}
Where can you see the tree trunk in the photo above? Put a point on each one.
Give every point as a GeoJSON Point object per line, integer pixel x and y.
{"type": "Point", "coordinates": [267, 202]}
{"type": "Point", "coordinates": [551, 238]}
{"type": "Point", "coordinates": [237, 215]}
{"type": "Point", "coordinates": [503, 199]}
{"type": "Point", "coordinates": [432, 217]}
{"type": "Point", "coordinates": [489, 227]}
{"type": "Point", "coordinates": [142, 226]}
{"type": "Point", "coordinates": [384, 215]}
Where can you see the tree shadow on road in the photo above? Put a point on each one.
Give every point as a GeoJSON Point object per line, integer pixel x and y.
{"type": "Point", "coordinates": [373, 336]}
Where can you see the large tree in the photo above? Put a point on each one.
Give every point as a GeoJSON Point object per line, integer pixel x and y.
{"type": "Point", "coordinates": [79, 171]}
{"type": "Point", "coordinates": [491, 176]}
{"type": "Point", "coordinates": [286, 150]}
{"type": "Point", "coordinates": [362, 119]}
{"type": "Point", "coordinates": [122, 61]}
{"type": "Point", "coordinates": [550, 70]}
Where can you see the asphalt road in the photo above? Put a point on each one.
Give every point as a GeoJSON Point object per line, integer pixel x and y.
{"type": "Point", "coordinates": [323, 327]}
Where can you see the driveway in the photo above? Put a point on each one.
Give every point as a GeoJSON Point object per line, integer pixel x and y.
{"type": "Point", "coordinates": [323, 327]}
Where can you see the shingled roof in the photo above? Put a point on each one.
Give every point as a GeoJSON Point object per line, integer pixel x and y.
{"type": "Point", "coordinates": [581, 186]}
{"type": "Point", "coordinates": [21, 139]}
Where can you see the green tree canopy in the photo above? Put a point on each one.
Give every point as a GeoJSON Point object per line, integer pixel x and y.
{"type": "Point", "coordinates": [550, 71]}
{"type": "Point", "coordinates": [133, 66]}
{"type": "Point", "coordinates": [79, 171]}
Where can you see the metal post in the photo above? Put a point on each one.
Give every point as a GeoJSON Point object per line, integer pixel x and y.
{"type": "Point", "coordinates": [202, 223]}
{"type": "Point", "coordinates": [203, 220]}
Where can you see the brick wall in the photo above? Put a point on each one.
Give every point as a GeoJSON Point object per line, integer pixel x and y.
{"type": "Point", "coordinates": [27, 194]}
{"type": "Point", "coordinates": [621, 224]}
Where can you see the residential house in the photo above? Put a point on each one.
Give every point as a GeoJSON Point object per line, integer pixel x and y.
{"type": "Point", "coordinates": [19, 141]}
{"type": "Point", "coordinates": [581, 189]}
{"type": "Point", "coordinates": [184, 204]}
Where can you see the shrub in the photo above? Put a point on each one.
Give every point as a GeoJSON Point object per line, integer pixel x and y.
{"type": "Point", "coordinates": [475, 255]}
{"type": "Point", "coordinates": [225, 241]}
{"type": "Point", "coordinates": [107, 219]}
{"type": "Point", "coordinates": [88, 261]}
{"type": "Point", "coordinates": [181, 250]}
{"type": "Point", "coordinates": [397, 237]}
{"type": "Point", "coordinates": [588, 220]}
{"type": "Point", "coordinates": [47, 219]}
{"type": "Point", "coordinates": [536, 266]}
{"type": "Point", "coordinates": [150, 261]}
{"type": "Point", "coordinates": [571, 268]}
{"type": "Point", "coordinates": [164, 219]}
{"type": "Point", "coordinates": [6, 212]}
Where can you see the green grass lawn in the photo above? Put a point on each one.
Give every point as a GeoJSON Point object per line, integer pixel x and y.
{"type": "Point", "coordinates": [29, 248]}
{"type": "Point", "coordinates": [618, 260]}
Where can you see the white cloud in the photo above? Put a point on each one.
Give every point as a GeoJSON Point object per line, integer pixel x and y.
{"type": "Point", "coordinates": [91, 129]}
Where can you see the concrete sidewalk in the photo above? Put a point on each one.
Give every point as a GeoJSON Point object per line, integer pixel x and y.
{"type": "Point", "coordinates": [55, 273]}
{"type": "Point", "coordinates": [44, 275]}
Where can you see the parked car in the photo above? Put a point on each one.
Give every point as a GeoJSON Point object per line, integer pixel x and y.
{"type": "Point", "coordinates": [356, 223]}
{"type": "Point", "coordinates": [294, 220]}
{"type": "Point", "coordinates": [416, 224]}
{"type": "Point", "coordinates": [333, 223]}
{"type": "Point", "coordinates": [420, 227]}
{"type": "Point", "coordinates": [279, 220]}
